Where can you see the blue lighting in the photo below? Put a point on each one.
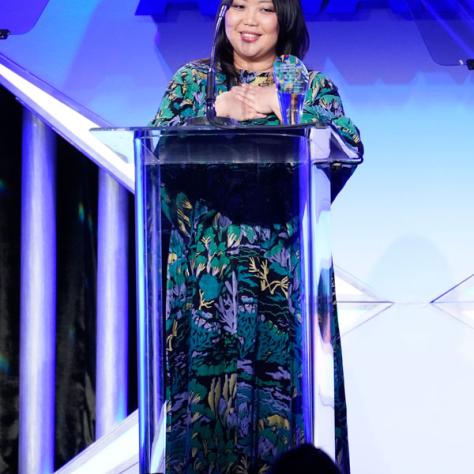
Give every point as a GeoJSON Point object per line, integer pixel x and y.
{"type": "Point", "coordinates": [153, 7]}
{"type": "Point", "coordinates": [310, 7]}
{"type": "Point", "coordinates": [141, 302]}
{"type": "Point", "coordinates": [19, 16]}
{"type": "Point", "coordinates": [403, 225]}
{"type": "Point", "coordinates": [112, 305]}
{"type": "Point", "coordinates": [38, 298]}
{"type": "Point", "coordinates": [453, 34]}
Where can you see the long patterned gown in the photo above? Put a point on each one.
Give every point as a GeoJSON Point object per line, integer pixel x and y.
{"type": "Point", "coordinates": [233, 321]}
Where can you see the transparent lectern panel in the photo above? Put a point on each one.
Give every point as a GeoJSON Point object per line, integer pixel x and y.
{"type": "Point", "coordinates": [235, 294]}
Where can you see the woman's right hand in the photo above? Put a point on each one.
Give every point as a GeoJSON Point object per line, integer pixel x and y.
{"type": "Point", "coordinates": [229, 104]}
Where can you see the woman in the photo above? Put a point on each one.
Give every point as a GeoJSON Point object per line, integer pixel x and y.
{"type": "Point", "coordinates": [233, 332]}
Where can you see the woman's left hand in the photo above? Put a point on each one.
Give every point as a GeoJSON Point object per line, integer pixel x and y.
{"type": "Point", "coordinates": [263, 99]}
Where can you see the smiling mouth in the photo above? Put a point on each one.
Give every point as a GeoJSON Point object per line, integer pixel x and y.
{"type": "Point", "coordinates": [249, 37]}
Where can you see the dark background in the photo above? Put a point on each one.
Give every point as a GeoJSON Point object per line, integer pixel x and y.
{"type": "Point", "coordinates": [77, 180]}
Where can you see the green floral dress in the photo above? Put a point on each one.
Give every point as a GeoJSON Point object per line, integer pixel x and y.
{"type": "Point", "coordinates": [233, 319]}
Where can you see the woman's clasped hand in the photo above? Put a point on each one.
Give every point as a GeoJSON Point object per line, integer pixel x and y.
{"type": "Point", "coordinates": [248, 102]}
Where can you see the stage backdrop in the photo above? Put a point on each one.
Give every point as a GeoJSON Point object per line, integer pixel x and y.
{"type": "Point", "coordinates": [402, 230]}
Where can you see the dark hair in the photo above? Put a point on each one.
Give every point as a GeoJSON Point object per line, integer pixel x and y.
{"type": "Point", "coordinates": [305, 459]}
{"type": "Point", "coordinates": [293, 37]}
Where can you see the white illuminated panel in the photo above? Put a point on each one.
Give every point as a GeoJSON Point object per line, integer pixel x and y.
{"type": "Point", "coordinates": [458, 301]}
{"type": "Point", "coordinates": [114, 453]}
{"type": "Point", "coordinates": [117, 452]}
{"type": "Point", "coordinates": [356, 303]}
{"type": "Point", "coordinates": [70, 124]}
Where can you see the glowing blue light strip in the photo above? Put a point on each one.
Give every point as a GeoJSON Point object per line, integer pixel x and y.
{"type": "Point", "coordinates": [307, 299]}
{"type": "Point", "coordinates": [112, 305]}
{"type": "Point", "coordinates": [38, 298]}
{"type": "Point", "coordinates": [149, 305]}
{"type": "Point", "coordinates": [141, 300]}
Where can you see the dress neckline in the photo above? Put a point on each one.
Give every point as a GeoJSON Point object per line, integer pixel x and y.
{"type": "Point", "coordinates": [246, 77]}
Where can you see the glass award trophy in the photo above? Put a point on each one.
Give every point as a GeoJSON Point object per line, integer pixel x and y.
{"type": "Point", "coordinates": [291, 78]}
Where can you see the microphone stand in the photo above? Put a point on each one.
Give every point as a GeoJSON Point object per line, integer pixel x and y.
{"type": "Point", "coordinates": [211, 74]}
{"type": "Point", "coordinates": [210, 118]}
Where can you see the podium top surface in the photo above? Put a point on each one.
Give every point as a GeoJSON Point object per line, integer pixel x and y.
{"type": "Point", "coordinates": [230, 144]}
{"type": "Point", "coordinates": [238, 128]}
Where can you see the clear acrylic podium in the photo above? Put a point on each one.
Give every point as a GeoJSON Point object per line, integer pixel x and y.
{"type": "Point", "coordinates": [263, 175]}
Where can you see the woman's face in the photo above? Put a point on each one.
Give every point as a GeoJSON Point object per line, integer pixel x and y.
{"type": "Point", "coordinates": [251, 26]}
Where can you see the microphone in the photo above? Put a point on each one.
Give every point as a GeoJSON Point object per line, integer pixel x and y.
{"type": "Point", "coordinates": [211, 74]}
{"type": "Point", "coordinates": [210, 118]}
{"type": "Point", "coordinates": [291, 79]}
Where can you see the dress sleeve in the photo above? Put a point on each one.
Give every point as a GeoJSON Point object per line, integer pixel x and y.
{"type": "Point", "coordinates": [323, 104]}
{"type": "Point", "coordinates": [182, 99]}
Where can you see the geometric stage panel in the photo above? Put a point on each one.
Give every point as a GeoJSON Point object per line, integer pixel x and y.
{"type": "Point", "coordinates": [458, 301]}
{"type": "Point", "coordinates": [356, 302]}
